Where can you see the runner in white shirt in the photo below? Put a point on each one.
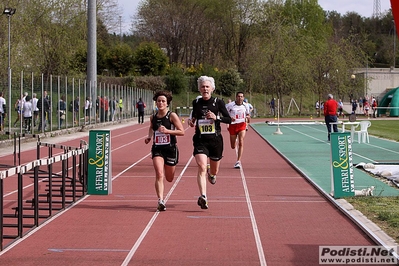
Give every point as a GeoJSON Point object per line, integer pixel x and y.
{"type": "Point", "coordinates": [239, 113]}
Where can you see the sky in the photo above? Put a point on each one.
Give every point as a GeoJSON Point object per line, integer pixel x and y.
{"type": "Point", "coordinates": [362, 7]}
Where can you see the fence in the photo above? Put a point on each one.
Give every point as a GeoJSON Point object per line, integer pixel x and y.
{"type": "Point", "coordinates": [65, 89]}
{"type": "Point", "coordinates": [58, 181]}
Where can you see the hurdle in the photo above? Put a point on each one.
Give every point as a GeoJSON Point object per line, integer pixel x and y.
{"type": "Point", "coordinates": [183, 111]}
{"type": "Point", "coordinates": [55, 196]}
{"type": "Point", "coordinates": [17, 147]}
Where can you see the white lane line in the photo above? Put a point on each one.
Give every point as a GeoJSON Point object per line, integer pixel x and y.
{"type": "Point", "coordinates": [255, 230]}
{"type": "Point", "coordinates": [13, 244]}
{"type": "Point", "coordinates": [154, 217]}
{"type": "Point", "coordinates": [218, 217]}
{"type": "Point", "coordinates": [60, 250]}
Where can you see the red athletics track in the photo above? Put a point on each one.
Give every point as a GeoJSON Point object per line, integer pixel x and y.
{"type": "Point", "coordinates": [264, 214]}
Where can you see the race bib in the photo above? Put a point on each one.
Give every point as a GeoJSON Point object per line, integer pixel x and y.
{"type": "Point", "coordinates": [206, 126]}
{"type": "Point", "coordinates": [161, 138]}
{"type": "Point", "coordinates": [239, 116]}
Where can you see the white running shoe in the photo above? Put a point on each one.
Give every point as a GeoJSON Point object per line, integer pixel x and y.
{"type": "Point", "coordinates": [161, 205]}
{"type": "Point", "coordinates": [237, 165]}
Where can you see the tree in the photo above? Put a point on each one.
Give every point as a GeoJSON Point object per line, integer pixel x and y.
{"type": "Point", "coordinates": [120, 59]}
{"type": "Point", "coordinates": [150, 59]}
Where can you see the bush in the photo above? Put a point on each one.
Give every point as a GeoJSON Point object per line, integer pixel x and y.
{"type": "Point", "coordinates": [229, 82]}
{"type": "Point", "coordinates": [176, 81]}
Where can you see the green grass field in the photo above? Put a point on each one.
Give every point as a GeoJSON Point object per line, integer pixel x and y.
{"type": "Point", "coordinates": [383, 211]}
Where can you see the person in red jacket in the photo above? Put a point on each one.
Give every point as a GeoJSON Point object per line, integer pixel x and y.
{"type": "Point", "coordinates": [330, 114]}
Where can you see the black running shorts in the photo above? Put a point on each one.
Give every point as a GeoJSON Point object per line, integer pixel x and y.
{"type": "Point", "coordinates": [169, 153]}
{"type": "Point", "coordinates": [211, 147]}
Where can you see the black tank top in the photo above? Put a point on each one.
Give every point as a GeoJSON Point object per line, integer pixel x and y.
{"type": "Point", "coordinates": [160, 138]}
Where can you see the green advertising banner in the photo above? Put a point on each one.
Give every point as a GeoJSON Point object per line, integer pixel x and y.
{"type": "Point", "coordinates": [342, 182]}
{"type": "Point", "coordinates": [99, 165]}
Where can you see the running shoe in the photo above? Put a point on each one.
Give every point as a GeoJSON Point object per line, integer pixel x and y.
{"type": "Point", "coordinates": [202, 202]}
{"type": "Point", "coordinates": [161, 205]}
{"type": "Point", "coordinates": [211, 178]}
{"type": "Point", "coordinates": [237, 165]}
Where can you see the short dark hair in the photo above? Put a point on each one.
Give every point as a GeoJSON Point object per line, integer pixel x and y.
{"type": "Point", "coordinates": [167, 94]}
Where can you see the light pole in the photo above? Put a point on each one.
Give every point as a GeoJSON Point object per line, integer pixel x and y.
{"type": "Point", "coordinates": [8, 11]}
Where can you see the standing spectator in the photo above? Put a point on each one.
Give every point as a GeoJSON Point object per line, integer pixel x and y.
{"type": "Point", "coordinates": [98, 108]}
{"type": "Point", "coordinates": [207, 140]}
{"type": "Point", "coordinates": [239, 113]}
{"type": "Point", "coordinates": [374, 107]}
{"type": "Point", "coordinates": [106, 108]}
{"type": "Point", "coordinates": [18, 108]}
{"type": "Point", "coordinates": [164, 127]}
{"type": "Point", "coordinates": [61, 111]}
{"type": "Point", "coordinates": [341, 108]}
{"type": "Point", "coordinates": [27, 112]}
{"type": "Point", "coordinates": [120, 104]}
{"type": "Point", "coordinates": [366, 108]}
{"type": "Point", "coordinates": [330, 114]}
{"type": "Point", "coordinates": [76, 108]}
{"type": "Point", "coordinates": [112, 108]}
{"type": "Point", "coordinates": [102, 109]}
{"type": "Point", "coordinates": [140, 105]}
{"type": "Point", "coordinates": [48, 112]}
{"type": "Point", "coordinates": [35, 109]}
{"type": "Point", "coordinates": [273, 107]}
{"type": "Point", "coordinates": [44, 107]}
{"type": "Point", "coordinates": [361, 104]}
{"type": "Point", "coordinates": [317, 106]}
{"type": "Point", "coordinates": [3, 111]}
{"type": "Point", "coordinates": [87, 109]}
{"type": "Point", "coordinates": [354, 106]}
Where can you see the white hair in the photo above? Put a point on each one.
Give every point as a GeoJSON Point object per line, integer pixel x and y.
{"type": "Point", "coordinates": [202, 79]}
{"type": "Point", "coordinates": [330, 96]}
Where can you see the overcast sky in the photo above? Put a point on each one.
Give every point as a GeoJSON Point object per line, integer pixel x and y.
{"type": "Point", "coordinates": [362, 7]}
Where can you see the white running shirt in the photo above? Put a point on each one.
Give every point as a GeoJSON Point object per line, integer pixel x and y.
{"type": "Point", "coordinates": [239, 112]}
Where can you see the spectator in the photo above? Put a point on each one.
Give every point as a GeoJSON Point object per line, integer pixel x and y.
{"type": "Point", "coordinates": [76, 108]}
{"type": "Point", "coordinates": [3, 111]}
{"type": "Point", "coordinates": [354, 106]}
{"type": "Point", "coordinates": [35, 109]}
{"type": "Point", "coordinates": [87, 109]}
{"type": "Point", "coordinates": [27, 112]}
{"type": "Point", "coordinates": [140, 105]}
{"type": "Point", "coordinates": [273, 107]}
{"type": "Point", "coordinates": [18, 108]}
{"type": "Point", "coordinates": [44, 106]}
{"type": "Point", "coordinates": [120, 104]}
{"type": "Point", "coordinates": [61, 111]}
{"type": "Point", "coordinates": [330, 114]}
{"type": "Point", "coordinates": [374, 107]}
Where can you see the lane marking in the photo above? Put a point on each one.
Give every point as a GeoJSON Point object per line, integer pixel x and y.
{"type": "Point", "coordinates": [60, 250]}
{"type": "Point", "coordinates": [55, 216]}
{"type": "Point", "coordinates": [255, 230]}
{"type": "Point", "coordinates": [218, 217]}
{"type": "Point", "coordinates": [154, 217]}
